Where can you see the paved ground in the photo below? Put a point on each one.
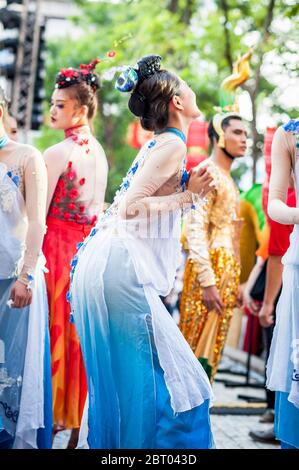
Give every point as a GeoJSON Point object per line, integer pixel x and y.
{"type": "Point", "coordinates": [230, 430]}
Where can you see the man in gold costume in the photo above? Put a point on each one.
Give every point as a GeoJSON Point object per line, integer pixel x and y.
{"type": "Point", "coordinates": [212, 273]}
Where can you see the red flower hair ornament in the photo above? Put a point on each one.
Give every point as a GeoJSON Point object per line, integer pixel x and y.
{"type": "Point", "coordinates": [86, 73]}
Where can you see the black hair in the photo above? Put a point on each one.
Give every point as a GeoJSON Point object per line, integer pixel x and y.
{"type": "Point", "coordinates": [225, 123]}
{"type": "Point", "coordinates": [151, 91]}
{"type": "Point", "coordinates": [150, 99]}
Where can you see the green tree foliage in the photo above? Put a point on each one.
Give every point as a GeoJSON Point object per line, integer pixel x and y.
{"type": "Point", "coordinates": [199, 39]}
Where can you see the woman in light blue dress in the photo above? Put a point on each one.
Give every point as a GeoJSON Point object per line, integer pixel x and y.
{"type": "Point", "coordinates": [283, 363]}
{"type": "Point", "coordinates": [25, 376]}
{"type": "Point", "coordinates": [146, 389]}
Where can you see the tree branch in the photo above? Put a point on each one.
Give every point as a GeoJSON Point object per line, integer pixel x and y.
{"type": "Point", "coordinates": [188, 11]}
{"type": "Point", "coordinates": [228, 53]}
{"type": "Point", "coordinates": [173, 6]}
{"type": "Point", "coordinates": [255, 89]}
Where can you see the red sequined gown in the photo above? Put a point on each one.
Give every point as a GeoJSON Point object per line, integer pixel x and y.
{"type": "Point", "coordinates": [74, 206]}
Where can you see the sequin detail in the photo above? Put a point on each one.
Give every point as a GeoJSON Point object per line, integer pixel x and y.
{"type": "Point", "coordinates": [205, 331]}
{"type": "Point", "coordinates": [112, 211]}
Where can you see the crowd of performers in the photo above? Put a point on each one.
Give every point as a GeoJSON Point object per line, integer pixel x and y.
{"type": "Point", "coordinates": [86, 342]}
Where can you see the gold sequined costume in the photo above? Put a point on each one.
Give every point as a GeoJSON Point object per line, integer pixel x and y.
{"type": "Point", "coordinates": [213, 233]}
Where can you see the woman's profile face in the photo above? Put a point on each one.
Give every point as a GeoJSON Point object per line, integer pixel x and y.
{"type": "Point", "coordinates": [64, 110]}
{"type": "Point", "coordinates": [188, 98]}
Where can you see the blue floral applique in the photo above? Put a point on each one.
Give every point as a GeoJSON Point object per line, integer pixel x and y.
{"type": "Point", "coordinates": [14, 178]}
{"type": "Point", "coordinates": [112, 210]}
{"type": "Point", "coordinates": [292, 126]}
{"type": "Point", "coordinates": [151, 144]}
{"type": "Point", "coordinates": [184, 179]}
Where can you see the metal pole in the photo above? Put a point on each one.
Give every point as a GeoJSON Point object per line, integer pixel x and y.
{"type": "Point", "coordinates": [33, 67]}
{"type": "Point", "coordinates": [19, 59]}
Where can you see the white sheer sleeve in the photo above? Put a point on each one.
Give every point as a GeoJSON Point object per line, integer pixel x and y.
{"type": "Point", "coordinates": [35, 201]}
{"type": "Point", "coordinates": [163, 163]}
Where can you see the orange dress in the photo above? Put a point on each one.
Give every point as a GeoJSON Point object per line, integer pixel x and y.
{"type": "Point", "coordinates": [72, 213]}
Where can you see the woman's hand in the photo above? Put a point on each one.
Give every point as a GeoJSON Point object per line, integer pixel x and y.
{"type": "Point", "coordinates": [20, 295]}
{"type": "Point", "coordinates": [252, 305]}
{"type": "Point", "coordinates": [200, 182]}
{"type": "Point", "coordinates": [266, 317]}
{"type": "Point", "coordinates": [240, 298]}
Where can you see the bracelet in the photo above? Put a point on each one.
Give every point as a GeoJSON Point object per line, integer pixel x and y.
{"type": "Point", "coordinates": [27, 280]}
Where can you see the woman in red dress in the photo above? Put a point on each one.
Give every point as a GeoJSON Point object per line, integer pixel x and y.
{"type": "Point", "coordinates": [77, 174]}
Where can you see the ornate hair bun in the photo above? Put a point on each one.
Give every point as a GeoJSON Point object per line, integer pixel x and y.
{"type": "Point", "coordinates": [131, 76]}
{"type": "Point", "coordinates": [68, 77]}
{"type": "Point", "coordinates": [148, 65]}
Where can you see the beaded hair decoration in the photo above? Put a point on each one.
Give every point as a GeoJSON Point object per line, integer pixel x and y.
{"type": "Point", "coordinates": [131, 76]}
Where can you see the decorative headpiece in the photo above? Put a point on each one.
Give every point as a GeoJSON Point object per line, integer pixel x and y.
{"type": "Point", "coordinates": [68, 77]}
{"type": "Point", "coordinates": [86, 72]}
{"type": "Point", "coordinates": [131, 76]}
{"type": "Point", "coordinates": [229, 106]}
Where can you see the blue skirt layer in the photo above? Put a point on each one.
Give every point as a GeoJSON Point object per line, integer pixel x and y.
{"type": "Point", "coordinates": [286, 421]}
{"type": "Point", "coordinates": [13, 340]}
{"type": "Point", "coordinates": [129, 403]}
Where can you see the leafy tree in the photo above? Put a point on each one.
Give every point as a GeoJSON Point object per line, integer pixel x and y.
{"type": "Point", "coordinates": [199, 39]}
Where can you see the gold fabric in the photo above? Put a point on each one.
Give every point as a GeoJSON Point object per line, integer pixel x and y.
{"type": "Point", "coordinates": [214, 224]}
{"type": "Point", "coordinates": [212, 234]}
{"type": "Point", "coordinates": [206, 331]}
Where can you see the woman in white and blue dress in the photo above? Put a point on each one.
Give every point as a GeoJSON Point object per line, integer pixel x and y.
{"type": "Point", "coordinates": [25, 376]}
{"type": "Point", "coordinates": [283, 363]}
{"type": "Point", "coordinates": [146, 389]}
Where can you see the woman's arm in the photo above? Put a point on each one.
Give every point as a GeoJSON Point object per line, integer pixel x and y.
{"type": "Point", "coordinates": [162, 164]}
{"type": "Point", "coordinates": [35, 201]}
{"type": "Point", "coordinates": [279, 180]}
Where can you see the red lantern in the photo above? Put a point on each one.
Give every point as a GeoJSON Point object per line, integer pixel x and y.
{"type": "Point", "coordinates": [137, 136]}
{"type": "Point", "coordinates": [197, 143]}
{"type": "Point", "coordinates": [267, 148]}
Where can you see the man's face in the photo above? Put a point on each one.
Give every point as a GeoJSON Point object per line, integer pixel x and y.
{"type": "Point", "coordinates": [235, 138]}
